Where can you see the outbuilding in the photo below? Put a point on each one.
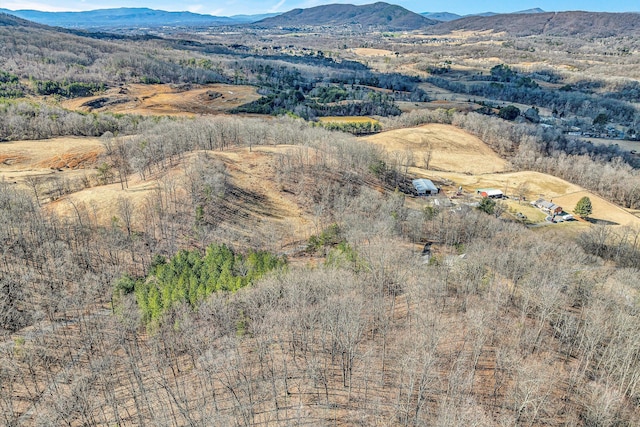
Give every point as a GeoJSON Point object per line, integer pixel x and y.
{"type": "Point", "coordinates": [492, 193]}
{"type": "Point", "coordinates": [424, 187]}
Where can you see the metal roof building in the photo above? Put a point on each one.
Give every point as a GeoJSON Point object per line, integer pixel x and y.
{"type": "Point", "coordinates": [424, 186]}
{"type": "Point", "coordinates": [492, 193]}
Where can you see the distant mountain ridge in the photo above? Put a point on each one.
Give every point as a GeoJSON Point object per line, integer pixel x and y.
{"type": "Point", "coordinates": [129, 17]}
{"type": "Point", "coordinates": [580, 24]}
{"type": "Point", "coordinates": [379, 14]}
{"type": "Point", "coordinates": [447, 16]}
{"type": "Point", "coordinates": [441, 16]}
{"type": "Point", "coordinates": [9, 20]}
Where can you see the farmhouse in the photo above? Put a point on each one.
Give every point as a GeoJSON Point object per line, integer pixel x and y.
{"type": "Point", "coordinates": [492, 193]}
{"type": "Point", "coordinates": [424, 187]}
{"type": "Point", "coordinates": [549, 207]}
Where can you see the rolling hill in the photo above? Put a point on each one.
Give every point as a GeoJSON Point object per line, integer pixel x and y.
{"type": "Point", "coordinates": [379, 14]}
{"type": "Point", "coordinates": [526, 23]}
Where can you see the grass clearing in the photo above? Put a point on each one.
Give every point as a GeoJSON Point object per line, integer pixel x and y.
{"type": "Point", "coordinates": [604, 212]}
{"type": "Point", "coordinates": [165, 99]}
{"type": "Point", "coordinates": [252, 172]}
{"type": "Point", "coordinates": [541, 185]}
{"type": "Point", "coordinates": [71, 156]}
{"type": "Point", "coordinates": [364, 51]}
{"type": "Point", "coordinates": [451, 148]}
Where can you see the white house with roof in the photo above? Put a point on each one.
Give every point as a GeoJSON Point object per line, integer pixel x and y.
{"type": "Point", "coordinates": [548, 207]}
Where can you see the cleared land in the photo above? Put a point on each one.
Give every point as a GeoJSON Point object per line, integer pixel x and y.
{"type": "Point", "coordinates": [604, 212]}
{"type": "Point", "coordinates": [164, 99]}
{"type": "Point", "coordinates": [540, 185]}
{"type": "Point", "coordinates": [625, 145]}
{"type": "Point", "coordinates": [460, 159]}
{"type": "Point", "coordinates": [71, 155]}
{"type": "Point", "coordinates": [363, 51]}
{"type": "Point", "coordinates": [457, 159]}
{"type": "Point", "coordinates": [254, 194]}
{"type": "Point", "coordinates": [451, 149]}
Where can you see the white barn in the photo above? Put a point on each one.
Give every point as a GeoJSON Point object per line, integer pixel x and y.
{"type": "Point", "coordinates": [425, 187]}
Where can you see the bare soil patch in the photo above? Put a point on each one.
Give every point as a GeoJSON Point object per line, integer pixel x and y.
{"type": "Point", "coordinates": [452, 149]}
{"type": "Point", "coordinates": [165, 99]}
{"type": "Point", "coordinates": [71, 155]}
{"type": "Point", "coordinates": [70, 152]}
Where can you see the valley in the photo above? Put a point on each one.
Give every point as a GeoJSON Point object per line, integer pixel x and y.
{"type": "Point", "coordinates": [216, 223]}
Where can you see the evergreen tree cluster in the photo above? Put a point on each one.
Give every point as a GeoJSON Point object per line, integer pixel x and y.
{"type": "Point", "coordinates": [67, 89]}
{"type": "Point", "coordinates": [189, 277]}
{"type": "Point", "coordinates": [10, 86]}
{"type": "Point", "coordinates": [355, 127]}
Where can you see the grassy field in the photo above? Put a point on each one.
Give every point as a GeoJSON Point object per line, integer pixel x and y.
{"type": "Point", "coordinates": [164, 99]}
{"type": "Point", "coordinates": [452, 149]}
{"type": "Point", "coordinates": [461, 159]}
{"type": "Point", "coordinates": [625, 145]}
{"type": "Point", "coordinates": [363, 51]}
{"type": "Point", "coordinates": [251, 172]}
{"type": "Point", "coordinates": [540, 185]}
{"type": "Point", "coordinates": [69, 155]}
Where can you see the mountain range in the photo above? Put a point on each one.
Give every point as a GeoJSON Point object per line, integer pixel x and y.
{"type": "Point", "coordinates": [130, 17]}
{"type": "Point", "coordinates": [585, 24]}
{"type": "Point", "coordinates": [447, 16]}
{"type": "Point", "coordinates": [378, 14]}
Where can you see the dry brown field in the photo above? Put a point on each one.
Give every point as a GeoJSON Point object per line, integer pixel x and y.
{"type": "Point", "coordinates": [461, 159]}
{"type": "Point", "coordinates": [164, 99]}
{"type": "Point", "coordinates": [363, 51]}
{"type": "Point", "coordinates": [625, 145]}
{"type": "Point", "coordinates": [452, 148]}
{"type": "Point", "coordinates": [457, 159]}
{"type": "Point", "coordinates": [68, 155]}
{"type": "Point", "coordinates": [603, 211]}
{"type": "Point", "coordinates": [252, 172]}
{"type": "Point", "coordinates": [540, 185]}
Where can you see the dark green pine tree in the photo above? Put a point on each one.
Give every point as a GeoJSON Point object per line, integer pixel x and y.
{"type": "Point", "coordinates": [583, 207]}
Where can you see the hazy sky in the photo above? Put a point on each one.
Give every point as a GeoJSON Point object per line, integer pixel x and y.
{"type": "Point", "coordinates": [251, 7]}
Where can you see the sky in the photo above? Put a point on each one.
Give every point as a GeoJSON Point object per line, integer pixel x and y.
{"type": "Point", "coordinates": [252, 7]}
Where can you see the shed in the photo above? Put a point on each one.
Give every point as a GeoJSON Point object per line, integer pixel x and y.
{"type": "Point", "coordinates": [492, 193]}
{"type": "Point", "coordinates": [424, 187]}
